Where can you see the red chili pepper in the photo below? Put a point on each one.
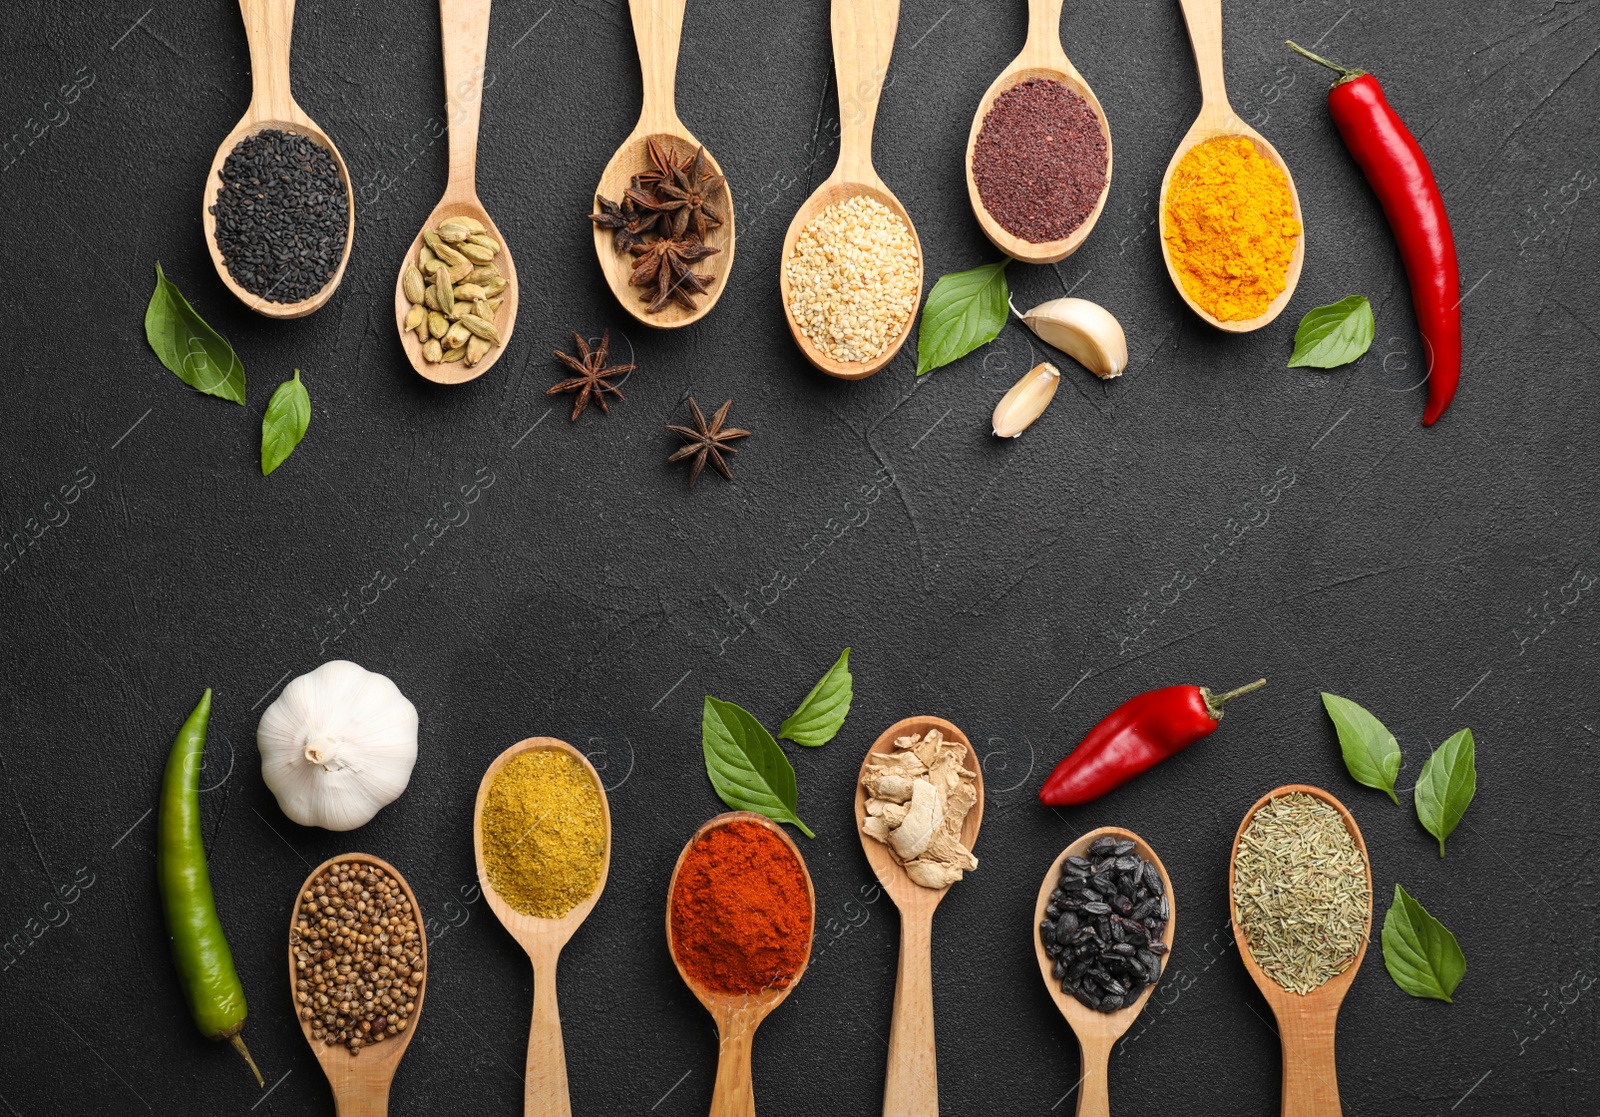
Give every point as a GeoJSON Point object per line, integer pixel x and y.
{"type": "Point", "coordinates": [1399, 174]}
{"type": "Point", "coordinates": [1137, 735]}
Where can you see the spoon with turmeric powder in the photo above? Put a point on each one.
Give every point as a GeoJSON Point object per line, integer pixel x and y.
{"type": "Point", "coordinates": [541, 837]}
{"type": "Point", "coordinates": [1237, 275]}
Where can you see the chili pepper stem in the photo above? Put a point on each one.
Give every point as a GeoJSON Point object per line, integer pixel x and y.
{"type": "Point", "coordinates": [1345, 73]}
{"type": "Point", "coordinates": [1215, 702]}
{"type": "Point", "coordinates": [238, 1045]}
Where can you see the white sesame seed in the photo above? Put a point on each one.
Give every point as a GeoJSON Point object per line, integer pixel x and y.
{"type": "Point", "coordinates": [853, 279]}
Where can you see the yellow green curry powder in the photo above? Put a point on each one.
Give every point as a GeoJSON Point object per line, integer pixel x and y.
{"type": "Point", "coordinates": [544, 833]}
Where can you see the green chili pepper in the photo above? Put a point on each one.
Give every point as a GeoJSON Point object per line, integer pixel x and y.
{"type": "Point", "coordinates": [199, 948]}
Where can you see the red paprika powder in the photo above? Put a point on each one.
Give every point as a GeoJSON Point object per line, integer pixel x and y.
{"type": "Point", "coordinates": [740, 910]}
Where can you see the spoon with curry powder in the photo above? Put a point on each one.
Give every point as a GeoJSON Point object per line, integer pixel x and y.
{"type": "Point", "coordinates": [717, 925]}
{"type": "Point", "coordinates": [542, 865]}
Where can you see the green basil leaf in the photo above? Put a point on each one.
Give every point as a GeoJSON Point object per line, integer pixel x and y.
{"type": "Point", "coordinates": [1419, 952]}
{"type": "Point", "coordinates": [1449, 780]}
{"type": "Point", "coordinates": [746, 766]}
{"type": "Point", "coordinates": [188, 347]}
{"type": "Point", "coordinates": [1334, 335]}
{"type": "Point", "coordinates": [284, 425]}
{"type": "Point", "coordinates": [964, 310]}
{"type": "Point", "coordinates": [822, 713]}
{"type": "Point", "coordinates": [1370, 751]}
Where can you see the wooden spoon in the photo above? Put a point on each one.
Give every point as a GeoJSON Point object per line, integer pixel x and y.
{"type": "Point", "coordinates": [464, 25]}
{"type": "Point", "coordinates": [268, 25]}
{"type": "Point", "coordinates": [545, 1081]}
{"type": "Point", "coordinates": [738, 1016]}
{"type": "Point", "coordinates": [360, 1082]}
{"type": "Point", "coordinates": [911, 1086]}
{"type": "Point", "coordinates": [658, 29]}
{"type": "Point", "coordinates": [1217, 118]}
{"type": "Point", "coordinates": [863, 40]}
{"type": "Point", "coordinates": [1305, 1022]}
{"type": "Point", "coordinates": [1097, 1031]}
{"type": "Point", "coordinates": [1041, 59]}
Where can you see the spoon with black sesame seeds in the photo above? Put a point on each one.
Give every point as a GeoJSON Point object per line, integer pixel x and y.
{"type": "Point", "coordinates": [472, 243]}
{"type": "Point", "coordinates": [278, 211]}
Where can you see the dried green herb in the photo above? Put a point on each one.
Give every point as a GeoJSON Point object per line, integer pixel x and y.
{"type": "Point", "coordinates": [822, 713]}
{"type": "Point", "coordinates": [1370, 751]}
{"type": "Point", "coordinates": [1449, 780]}
{"type": "Point", "coordinates": [1420, 953]}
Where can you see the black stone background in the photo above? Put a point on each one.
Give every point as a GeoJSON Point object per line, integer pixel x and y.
{"type": "Point", "coordinates": [1443, 577]}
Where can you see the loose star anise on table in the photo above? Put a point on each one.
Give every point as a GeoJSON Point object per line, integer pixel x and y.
{"type": "Point", "coordinates": [704, 442]}
{"type": "Point", "coordinates": [668, 265]}
{"type": "Point", "coordinates": [592, 381]}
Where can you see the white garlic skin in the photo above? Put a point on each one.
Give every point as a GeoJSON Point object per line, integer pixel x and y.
{"type": "Point", "coordinates": [338, 745]}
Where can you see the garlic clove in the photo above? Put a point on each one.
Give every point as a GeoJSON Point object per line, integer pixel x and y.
{"type": "Point", "coordinates": [1083, 330]}
{"type": "Point", "coordinates": [1026, 400]}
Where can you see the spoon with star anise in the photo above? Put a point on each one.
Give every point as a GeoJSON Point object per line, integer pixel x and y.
{"type": "Point", "coordinates": [663, 217]}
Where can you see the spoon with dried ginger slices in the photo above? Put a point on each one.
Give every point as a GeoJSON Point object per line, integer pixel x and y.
{"type": "Point", "coordinates": [268, 26]}
{"type": "Point", "coordinates": [739, 1015]}
{"type": "Point", "coordinates": [661, 136]}
{"type": "Point", "coordinates": [1042, 59]}
{"type": "Point", "coordinates": [360, 1082]}
{"type": "Point", "coordinates": [1306, 1021]}
{"type": "Point", "coordinates": [911, 1084]}
{"type": "Point", "coordinates": [1097, 1031]}
{"type": "Point", "coordinates": [545, 1092]}
{"type": "Point", "coordinates": [1217, 119]}
{"type": "Point", "coordinates": [464, 26]}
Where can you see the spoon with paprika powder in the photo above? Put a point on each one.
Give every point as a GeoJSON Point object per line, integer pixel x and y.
{"type": "Point", "coordinates": [911, 1084]}
{"type": "Point", "coordinates": [738, 896]}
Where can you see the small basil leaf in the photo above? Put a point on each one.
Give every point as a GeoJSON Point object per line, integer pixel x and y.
{"type": "Point", "coordinates": [746, 766]}
{"type": "Point", "coordinates": [1333, 335]}
{"type": "Point", "coordinates": [823, 712]}
{"type": "Point", "coordinates": [188, 347]}
{"type": "Point", "coordinates": [284, 425]}
{"type": "Point", "coordinates": [1449, 780]}
{"type": "Point", "coordinates": [1370, 751]}
{"type": "Point", "coordinates": [1419, 952]}
{"type": "Point", "coordinates": [964, 310]}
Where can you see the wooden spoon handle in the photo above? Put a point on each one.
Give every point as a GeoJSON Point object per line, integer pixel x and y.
{"type": "Point", "coordinates": [268, 27]}
{"type": "Point", "coordinates": [1204, 18]}
{"type": "Point", "coordinates": [1044, 30]}
{"type": "Point", "coordinates": [545, 1091]}
{"type": "Point", "coordinates": [658, 30]}
{"type": "Point", "coordinates": [364, 1098]}
{"type": "Point", "coordinates": [734, 1094]}
{"type": "Point", "coordinates": [863, 40]}
{"type": "Point", "coordinates": [1310, 1076]}
{"type": "Point", "coordinates": [1094, 1087]}
{"type": "Point", "coordinates": [464, 26]}
{"type": "Point", "coordinates": [911, 1087]}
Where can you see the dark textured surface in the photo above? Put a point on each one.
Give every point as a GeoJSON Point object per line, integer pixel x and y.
{"type": "Point", "coordinates": [1254, 519]}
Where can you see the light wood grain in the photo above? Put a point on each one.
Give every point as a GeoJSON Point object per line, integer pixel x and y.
{"type": "Point", "coordinates": [911, 1083]}
{"type": "Point", "coordinates": [1216, 119]}
{"type": "Point", "coordinates": [360, 1082]}
{"type": "Point", "coordinates": [268, 26]}
{"type": "Point", "coordinates": [1042, 58]}
{"type": "Point", "coordinates": [1305, 1022]}
{"type": "Point", "coordinates": [738, 1016]}
{"type": "Point", "coordinates": [658, 29]}
{"type": "Point", "coordinates": [863, 40]}
{"type": "Point", "coordinates": [545, 1091]}
{"type": "Point", "coordinates": [1098, 1032]}
{"type": "Point", "coordinates": [464, 26]}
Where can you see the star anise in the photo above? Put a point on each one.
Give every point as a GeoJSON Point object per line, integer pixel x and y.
{"type": "Point", "coordinates": [621, 218]}
{"type": "Point", "coordinates": [593, 375]}
{"type": "Point", "coordinates": [704, 442]}
{"type": "Point", "coordinates": [684, 197]}
{"type": "Point", "coordinates": [668, 264]}
{"type": "Point", "coordinates": [663, 164]}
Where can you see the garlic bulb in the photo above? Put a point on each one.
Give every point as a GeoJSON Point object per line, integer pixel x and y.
{"type": "Point", "coordinates": [1084, 331]}
{"type": "Point", "coordinates": [338, 745]}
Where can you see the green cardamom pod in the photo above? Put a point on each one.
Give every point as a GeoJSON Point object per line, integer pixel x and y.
{"type": "Point", "coordinates": [453, 232]}
{"type": "Point", "coordinates": [476, 252]}
{"type": "Point", "coordinates": [433, 351]}
{"type": "Point", "coordinates": [483, 240]}
{"type": "Point", "coordinates": [430, 298]}
{"type": "Point", "coordinates": [413, 283]}
{"type": "Point", "coordinates": [476, 348]}
{"type": "Point", "coordinates": [494, 287]}
{"type": "Point", "coordinates": [446, 290]}
{"type": "Point", "coordinates": [450, 256]}
{"type": "Point", "coordinates": [438, 324]}
{"type": "Point", "coordinates": [494, 308]}
{"type": "Point", "coordinates": [457, 335]}
{"type": "Point", "coordinates": [415, 316]}
{"type": "Point", "coordinates": [483, 273]}
{"type": "Point", "coordinates": [480, 327]}
{"type": "Point", "coordinates": [427, 257]}
{"type": "Point", "coordinates": [480, 308]}
{"type": "Point", "coordinates": [454, 354]}
{"type": "Point", "coordinates": [469, 291]}
{"type": "Point", "coordinates": [431, 239]}
{"type": "Point", "coordinates": [472, 224]}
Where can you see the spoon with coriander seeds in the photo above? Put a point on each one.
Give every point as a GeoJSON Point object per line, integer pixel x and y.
{"type": "Point", "coordinates": [357, 894]}
{"type": "Point", "coordinates": [541, 837]}
{"type": "Point", "coordinates": [455, 300]}
{"type": "Point", "coordinates": [663, 220]}
{"type": "Point", "coordinates": [1300, 899]}
{"type": "Point", "coordinates": [310, 201]}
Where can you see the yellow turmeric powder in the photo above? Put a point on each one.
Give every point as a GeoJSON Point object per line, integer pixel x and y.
{"type": "Point", "coordinates": [1231, 227]}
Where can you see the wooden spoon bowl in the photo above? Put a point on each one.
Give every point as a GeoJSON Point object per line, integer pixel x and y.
{"type": "Point", "coordinates": [545, 1092]}
{"type": "Point", "coordinates": [911, 1085]}
{"type": "Point", "coordinates": [1042, 58]}
{"type": "Point", "coordinates": [360, 1082]}
{"type": "Point", "coordinates": [1097, 1031]}
{"type": "Point", "coordinates": [738, 1015]}
{"type": "Point", "coordinates": [1217, 119]}
{"type": "Point", "coordinates": [1305, 1021]}
{"type": "Point", "coordinates": [268, 26]}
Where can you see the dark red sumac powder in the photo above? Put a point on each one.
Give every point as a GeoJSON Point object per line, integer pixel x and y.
{"type": "Point", "coordinates": [1040, 160]}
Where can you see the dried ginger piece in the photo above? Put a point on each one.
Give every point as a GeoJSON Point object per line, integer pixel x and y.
{"type": "Point", "coordinates": [918, 796]}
